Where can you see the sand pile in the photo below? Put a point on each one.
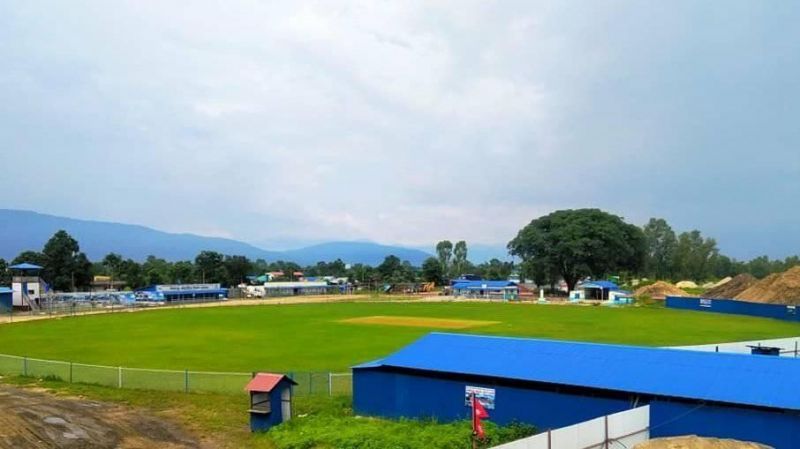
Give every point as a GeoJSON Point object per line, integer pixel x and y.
{"type": "Point", "coordinates": [659, 290]}
{"type": "Point", "coordinates": [695, 442]}
{"type": "Point", "coordinates": [721, 282]}
{"type": "Point", "coordinates": [778, 288]}
{"type": "Point", "coordinates": [686, 284]}
{"type": "Point", "coordinates": [733, 287]}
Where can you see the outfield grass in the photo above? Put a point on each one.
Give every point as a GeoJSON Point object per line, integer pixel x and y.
{"type": "Point", "coordinates": [311, 337]}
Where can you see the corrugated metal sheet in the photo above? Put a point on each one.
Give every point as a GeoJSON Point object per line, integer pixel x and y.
{"type": "Point", "coordinates": [605, 285]}
{"type": "Point", "coordinates": [482, 285]}
{"type": "Point", "coordinates": [730, 378]}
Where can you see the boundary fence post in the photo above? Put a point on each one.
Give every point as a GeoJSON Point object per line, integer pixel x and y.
{"type": "Point", "coordinates": [70, 372]}
{"type": "Point", "coordinates": [119, 377]}
{"type": "Point", "coordinates": [330, 383]}
{"type": "Point", "coordinates": [186, 381]}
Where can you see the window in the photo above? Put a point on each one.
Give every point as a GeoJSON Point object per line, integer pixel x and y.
{"type": "Point", "coordinates": [259, 403]}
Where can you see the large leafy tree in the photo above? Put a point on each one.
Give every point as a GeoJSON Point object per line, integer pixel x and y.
{"type": "Point", "coordinates": [210, 266]}
{"type": "Point", "coordinates": [579, 243]}
{"type": "Point", "coordinates": [495, 270]}
{"type": "Point", "coordinates": [34, 257]}
{"type": "Point", "coordinates": [432, 271]}
{"type": "Point", "coordinates": [661, 244]}
{"type": "Point", "coordinates": [65, 267]}
{"type": "Point", "coordinates": [459, 258]}
{"type": "Point", "coordinates": [694, 256]}
{"type": "Point", "coordinates": [236, 269]}
{"type": "Point", "coordinates": [444, 251]}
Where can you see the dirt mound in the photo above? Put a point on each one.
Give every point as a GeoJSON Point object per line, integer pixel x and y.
{"type": "Point", "coordinates": [35, 420]}
{"type": "Point", "coordinates": [695, 442]}
{"type": "Point", "coordinates": [659, 290]}
{"type": "Point", "coordinates": [721, 282]}
{"type": "Point", "coordinates": [733, 287]}
{"type": "Point", "coordinates": [686, 284]}
{"type": "Point", "coordinates": [778, 288]}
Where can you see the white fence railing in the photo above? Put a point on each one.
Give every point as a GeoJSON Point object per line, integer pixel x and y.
{"type": "Point", "coordinates": [617, 431]}
{"type": "Point", "coordinates": [309, 383]}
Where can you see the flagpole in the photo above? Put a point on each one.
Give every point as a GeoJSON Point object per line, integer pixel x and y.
{"type": "Point", "coordinates": [474, 430]}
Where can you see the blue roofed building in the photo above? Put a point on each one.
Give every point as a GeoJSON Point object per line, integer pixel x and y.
{"type": "Point", "coordinates": [553, 384]}
{"type": "Point", "coordinates": [181, 292]}
{"type": "Point", "coordinates": [485, 289]}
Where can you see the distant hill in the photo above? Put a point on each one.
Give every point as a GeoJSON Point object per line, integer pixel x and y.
{"type": "Point", "coordinates": [25, 230]}
{"type": "Point", "coordinates": [354, 252]}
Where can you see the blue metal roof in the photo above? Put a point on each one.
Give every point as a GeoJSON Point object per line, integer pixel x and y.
{"type": "Point", "coordinates": [731, 378]}
{"type": "Point", "coordinates": [605, 285]}
{"type": "Point", "coordinates": [25, 266]}
{"type": "Point", "coordinates": [6, 290]}
{"type": "Point", "coordinates": [481, 285]}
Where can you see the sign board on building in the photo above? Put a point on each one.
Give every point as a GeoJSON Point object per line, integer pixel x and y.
{"type": "Point", "coordinates": [484, 395]}
{"type": "Point", "coordinates": [705, 302]}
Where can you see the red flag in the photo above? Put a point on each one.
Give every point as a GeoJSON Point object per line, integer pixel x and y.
{"type": "Point", "coordinates": [478, 413]}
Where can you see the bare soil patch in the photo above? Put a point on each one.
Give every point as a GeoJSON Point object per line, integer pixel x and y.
{"type": "Point", "coordinates": [34, 419]}
{"type": "Point", "coordinates": [659, 290]}
{"type": "Point", "coordinates": [735, 286]}
{"type": "Point", "coordinates": [695, 442]}
{"type": "Point", "coordinates": [418, 321]}
{"type": "Point", "coordinates": [778, 288]}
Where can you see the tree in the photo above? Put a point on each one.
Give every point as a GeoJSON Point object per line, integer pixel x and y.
{"type": "Point", "coordinates": [495, 270]}
{"type": "Point", "coordinates": [459, 257]}
{"type": "Point", "coordinates": [661, 242]}
{"type": "Point", "coordinates": [388, 267]}
{"type": "Point", "coordinates": [131, 273]}
{"type": "Point", "coordinates": [65, 267]}
{"type": "Point", "coordinates": [156, 270]}
{"type": "Point", "coordinates": [113, 264]}
{"type": "Point", "coordinates": [432, 271]}
{"type": "Point", "coordinates": [5, 273]}
{"type": "Point", "coordinates": [694, 256]}
{"type": "Point", "coordinates": [236, 269]}
{"type": "Point", "coordinates": [444, 250]}
{"type": "Point", "coordinates": [182, 272]}
{"type": "Point", "coordinates": [210, 266]}
{"type": "Point", "coordinates": [33, 257]}
{"type": "Point", "coordinates": [579, 243]}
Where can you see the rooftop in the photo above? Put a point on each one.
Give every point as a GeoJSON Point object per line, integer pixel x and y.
{"type": "Point", "coordinates": [731, 378]}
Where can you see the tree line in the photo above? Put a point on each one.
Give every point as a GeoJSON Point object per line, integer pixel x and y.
{"type": "Point", "coordinates": [66, 268]}
{"type": "Point", "coordinates": [566, 244]}
{"type": "Point", "coordinates": [575, 244]}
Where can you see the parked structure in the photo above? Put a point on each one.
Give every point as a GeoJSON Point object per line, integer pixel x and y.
{"type": "Point", "coordinates": [181, 292]}
{"type": "Point", "coordinates": [270, 289]}
{"type": "Point", "coordinates": [554, 383]}
{"type": "Point", "coordinates": [6, 299]}
{"type": "Point", "coordinates": [29, 289]}
{"type": "Point", "coordinates": [485, 289]}
{"type": "Point", "coordinates": [270, 400]}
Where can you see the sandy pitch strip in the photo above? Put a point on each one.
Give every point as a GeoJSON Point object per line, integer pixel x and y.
{"type": "Point", "coordinates": [417, 321]}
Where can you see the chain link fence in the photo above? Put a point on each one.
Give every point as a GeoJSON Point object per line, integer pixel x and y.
{"type": "Point", "coordinates": [309, 383]}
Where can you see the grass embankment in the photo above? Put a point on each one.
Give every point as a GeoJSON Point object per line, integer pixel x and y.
{"type": "Point", "coordinates": [320, 422]}
{"type": "Point", "coordinates": [313, 337]}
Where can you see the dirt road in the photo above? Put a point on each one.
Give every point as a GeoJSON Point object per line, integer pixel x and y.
{"type": "Point", "coordinates": [34, 419]}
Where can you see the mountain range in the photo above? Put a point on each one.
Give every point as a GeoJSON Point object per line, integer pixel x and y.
{"type": "Point", "coordinates": [25, 230]}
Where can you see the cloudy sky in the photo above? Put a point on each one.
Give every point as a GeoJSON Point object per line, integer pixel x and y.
{"type": "Point", "coordinates": [404, 122]}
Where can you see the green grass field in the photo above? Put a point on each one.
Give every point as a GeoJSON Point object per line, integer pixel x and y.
{"type": "Point", "coordinates": [311, 337]}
